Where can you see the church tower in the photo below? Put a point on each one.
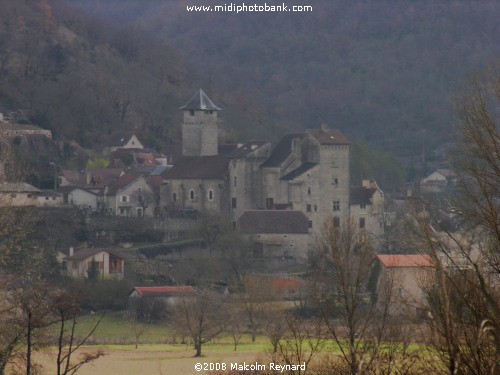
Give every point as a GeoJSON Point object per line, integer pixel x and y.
{"type": "Point", "coordinates": [199, 128]}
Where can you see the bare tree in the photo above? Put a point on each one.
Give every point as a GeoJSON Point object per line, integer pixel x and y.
{"type": "Point", "coordinates": [464, 297]}
{"type": "Point", "coordinates": [66, 309]}
{"type": "Point", "coordinates": [355, 322]}
{"type": "Point", "coordinates": [302, 342]}
{"type": "Point", "coordinates": [200, 317]}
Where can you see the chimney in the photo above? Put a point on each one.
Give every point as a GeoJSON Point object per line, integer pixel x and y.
{"type": "Point", "coordinates": [71, 251]}
{"type": "Point", "coordinates": [324, 127]}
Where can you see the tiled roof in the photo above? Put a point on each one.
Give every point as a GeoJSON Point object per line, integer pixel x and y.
{"type": "Point", "coordinates": [282, 150]}
{"type": "Point", "coordinates": [164, 291]}
{"type": "Point", "coordinates": [361, 195]}
{"type": "Point", "coordinates": [122, 182]}
{"type": "Point", "coordinates": [18, 187]}
{"type": "Point", "coordinates": [88, 252]}
{"type": "Point", "coordinates": [101, 177]}
{"type": "Point", "coordinates": [48, 193]}
{"type": "Point", "coordinates": [72, 176]}
{"type": "Point", "coordinates": [329, 136]}
{"type": "Point", "coordinates": [215, 167]}
{"type": "Point", "coordinates": [299, 171]}
{"type": "Point", "coordinates": [273, 221]}
{"type": "Point", "coordinates": [200, 101]}
{"type": "Point", "coordinates": [405, 260]}
{"type": "Point", "coordinates": [448, 173]}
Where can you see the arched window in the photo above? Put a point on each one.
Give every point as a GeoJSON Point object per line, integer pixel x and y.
{"type": "Point", "coordinates": [210, 195]}
{"type": "Point", "coordinates": [174, 197]}
{"type": "Point", "coordinates": [191, 195]}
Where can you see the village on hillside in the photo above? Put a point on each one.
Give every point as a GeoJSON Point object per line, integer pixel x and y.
{"type": "Point", "coordinates": [233, 225]}
{"type": "Point", "coordinates": [279, 198]}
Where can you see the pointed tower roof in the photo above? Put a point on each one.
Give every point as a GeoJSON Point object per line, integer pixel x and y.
{"type": "Point", "coordinates": [201, 102]}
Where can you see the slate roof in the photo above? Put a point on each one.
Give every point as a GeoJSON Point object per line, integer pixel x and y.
{"type": "Point", "coordinates": [163, 291]}
{"type": "Point", "coordinates": [273, 221]}
{"type": "Point", "coordinates": [299, 171]}
{"type": "Point", "coordinates": [239, 150]}
{"type": "Point", "coordinates": [119, 138]}
{"type": "Point", "coordinates": [361, 195]}
{"type": "Point", "coordinates": [405, 260]}
{"type": "Point", "coordinates": [200, 101]}
{"type": "Point", "coordinates": [282, 150]}
{"type": "Point", "coordinates": [83, 254]}
{"type": "Point", "coordinates": [214, 167]}
{"type": "Point", "coordinates": [329, 136]}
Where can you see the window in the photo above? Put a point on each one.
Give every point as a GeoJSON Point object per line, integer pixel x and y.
{"type": "Point", "coordinates": [308, 191]}
{"type": "Point", "coordinates": [336, 205]}
{"type": "Point", "coordinates": [336, 222]}
{"type": "Point", "coordinates": [191, 112]}
{"type": "Point", "coordinates": [140, 212]}
{"type": "Point", "coordinates": [191, 195]}
{"type": "Point", "coordinates": [362, 206]}
{"type": "Point", "coordinates": [98, 265]}
{"type": "Point", "coordinates": [210, 195]}
{"type": "Point", "coordinates": [46, 198]}
{"type": "Point", "coordinates": [335, 181]}
{"type": "Point", "coordinates": [124, 198]}
{"type": "Point", "coordinates": [233, 202]}
{"type": "Point", "coordinates": [122, 211]}
{"type": "Point", "coordinates": [361, 222]}
{"type": "Point", "coordinates": [140, 198]}
{"type": "Point", "coordinates": [315, 208]}
{"type": "Point", "coordinates": [310, 224]}
{"type": "Point", "coordinates": [269, 203]}
{"type": "Point", "coordinates": [308, 208]}
{"type": "Point", "coordinates": [235, 181]}
{"type": "Point", "coordinates": [174, 197]}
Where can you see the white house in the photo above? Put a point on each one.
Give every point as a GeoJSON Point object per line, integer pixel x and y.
{"type": "Point", "coordinates": [18, 194]}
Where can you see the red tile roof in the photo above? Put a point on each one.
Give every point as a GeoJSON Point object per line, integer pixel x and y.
{"type": "Point", "coordinates": [164, 291]}
{"type": "Point", "coordinates": [405, 260]}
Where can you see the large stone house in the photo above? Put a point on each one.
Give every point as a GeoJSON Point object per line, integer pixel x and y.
{"type": "Point", "coordinates": [129, 195]}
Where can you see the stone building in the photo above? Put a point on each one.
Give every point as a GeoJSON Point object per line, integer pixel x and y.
{"type": "Point", "coordinates": [306, 172]}
{"type": "Point", "coordinates": [199, 128]}
{"type": "Point", "coordinates": [309, 172]}
{"type": "Point", "coordinates": [367, 208]}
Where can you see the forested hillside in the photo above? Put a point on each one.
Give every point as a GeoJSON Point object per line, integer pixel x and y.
{"type": "Point", "coordinates": [384, 70]}
{"type": "Point", "coordinates": [83, 78]}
